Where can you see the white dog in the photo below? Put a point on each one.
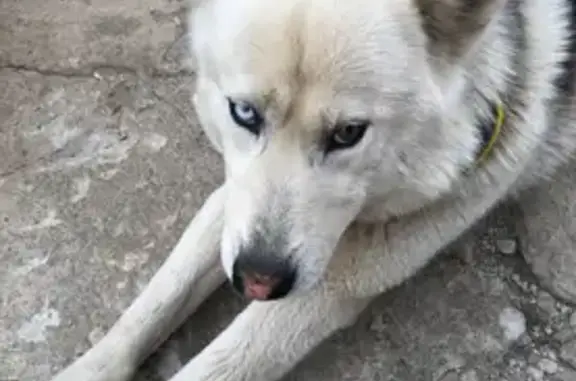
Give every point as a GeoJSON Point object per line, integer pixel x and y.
{"type": "Point", "coordinates": [360, 138]}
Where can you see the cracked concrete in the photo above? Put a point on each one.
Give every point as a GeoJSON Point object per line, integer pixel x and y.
{"type": "Point", "coordinates": [102, 164]}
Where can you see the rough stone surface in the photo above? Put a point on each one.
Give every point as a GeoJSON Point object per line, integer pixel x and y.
{"type": "Point", "coordinates": [549, 233]}
{"type": "Point", "coordinates": [102, 164]}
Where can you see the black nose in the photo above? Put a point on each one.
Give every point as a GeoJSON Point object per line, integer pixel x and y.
{"type": "Point", "coordinates": [262, 278]}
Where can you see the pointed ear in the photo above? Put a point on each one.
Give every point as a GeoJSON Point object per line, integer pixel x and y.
{"type": "Point", "coordinates": [452, 26]}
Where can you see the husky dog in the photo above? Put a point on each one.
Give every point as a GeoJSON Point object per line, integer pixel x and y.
{"type": "Point", "coordinates": [360, 138]}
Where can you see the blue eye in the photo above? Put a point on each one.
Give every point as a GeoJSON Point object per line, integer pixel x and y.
{"type": "Point", "coordinates": [246, 115]}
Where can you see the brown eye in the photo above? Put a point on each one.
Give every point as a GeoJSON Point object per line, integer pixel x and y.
{"type": "Point", "coordinates": [346, 135]}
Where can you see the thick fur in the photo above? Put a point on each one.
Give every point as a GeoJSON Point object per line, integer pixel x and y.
{"type": "Point", "coordinates": [359, 221]}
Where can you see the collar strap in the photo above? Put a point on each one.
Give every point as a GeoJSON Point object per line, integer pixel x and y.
{"type": "Point", "coordinates": [490, 132]}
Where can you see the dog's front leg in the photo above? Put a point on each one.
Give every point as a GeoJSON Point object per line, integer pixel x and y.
{"type": "Point", "coordinates": [189, 275]}
{"type": "Point", "coordinates": [268, 338]}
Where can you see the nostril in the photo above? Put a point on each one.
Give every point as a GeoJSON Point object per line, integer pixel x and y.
{"type": "Point", "coordinates": [237, 282]}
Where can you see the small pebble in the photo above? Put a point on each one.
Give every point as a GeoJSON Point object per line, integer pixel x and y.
{"type": "Point", "coordinates": [573, 320]}
{"type": "Point", "coordinates": [565, 335]}
{"type": "Point", "coordinates": [450, 376]}
{"type": "Point", "coordinates": [535, 373]}
{"type": "Point", "coordinates": [506, 246]}
{"type": "Point", "coordinates": [568, 352]}
{"type": "Point", "coordinates": [469, 376]}
{"type": "Point", "coordinates": [548, 366]}
{"type": "Point", "coordinates": [96, 335]}
{"type": "Point", "coordinates": [453, 363]}
{"type": "Point", "coordinates": [563, 308]}
{"type": "Point", "coordinates": [513, 323]}
{"type": "Point", "coordinates": [534, 358]}
{"type": "Point", "coordinates": [547, 302]}
{"type": "Point", "coordinates": [378, 324]}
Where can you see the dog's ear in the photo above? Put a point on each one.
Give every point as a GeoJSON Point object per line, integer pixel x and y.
{"type": "Point", "coordinates": [453, 25]}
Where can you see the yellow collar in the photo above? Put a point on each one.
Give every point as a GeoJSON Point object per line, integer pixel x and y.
{"type": "Point", "coordinates": [492, 134]}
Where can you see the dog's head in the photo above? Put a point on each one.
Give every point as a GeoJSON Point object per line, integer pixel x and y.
{"type": "Point", "coordinates": [328, 111]}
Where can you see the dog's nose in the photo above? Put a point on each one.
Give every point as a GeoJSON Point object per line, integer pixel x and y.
{"type": "Point", "coordinates": [262, 279]}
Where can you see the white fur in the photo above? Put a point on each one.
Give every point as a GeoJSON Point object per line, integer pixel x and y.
{"type": "Point", "coordinates": [359, 221]}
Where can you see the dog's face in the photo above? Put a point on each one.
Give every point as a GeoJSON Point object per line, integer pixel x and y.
{"type": "Point", "coordinates": [325, 111]}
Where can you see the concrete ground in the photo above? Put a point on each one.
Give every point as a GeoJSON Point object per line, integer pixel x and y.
{"type": "Point", "coordinates": [102, 164]}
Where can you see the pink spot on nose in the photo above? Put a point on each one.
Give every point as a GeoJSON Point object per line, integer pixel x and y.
{"type": "Point", "coordinates": [258, 287]}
